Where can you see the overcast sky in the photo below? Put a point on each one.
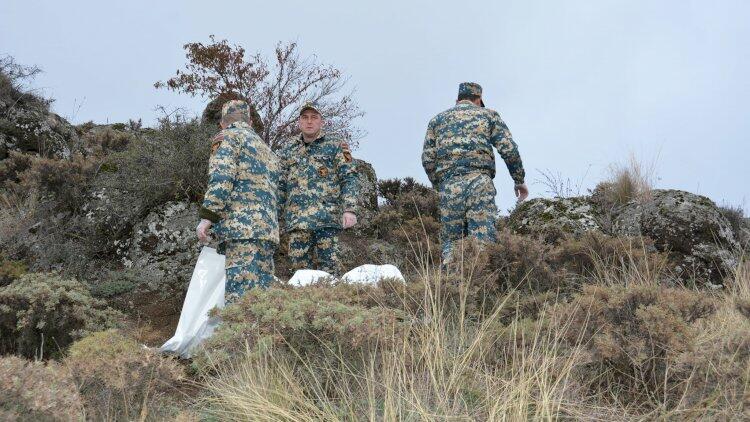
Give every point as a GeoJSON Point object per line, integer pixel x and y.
{"type": "Point", "coordinates": [581, 84]}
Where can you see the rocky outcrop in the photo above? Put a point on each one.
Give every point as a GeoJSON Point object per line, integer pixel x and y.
{"type": "Point", "coordinates": [163, 247]}
{"type": "Point", "coordinates": [552, 218]}
{"type": "Point", "coordinates": [699, 240]}
{"type": "Point", "coordinates": [367, 203]}
{"type": "Point", "coordinates": [689, 227]}
{"type": "Point", "coordinates": [27, 125]}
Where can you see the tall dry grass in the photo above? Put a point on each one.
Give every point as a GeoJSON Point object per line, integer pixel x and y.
{"type": "Point", "coordinates": [632, 180]}
{"type": "Point", "coordinates": [443, 367]}
{"type": "Point", "coordinates": [452, 365]}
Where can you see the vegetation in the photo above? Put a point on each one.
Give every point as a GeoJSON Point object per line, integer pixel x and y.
{"type": "Point", "coordinates": [41, 314]}
{"type": "Point", "coordinates": [37, 391]}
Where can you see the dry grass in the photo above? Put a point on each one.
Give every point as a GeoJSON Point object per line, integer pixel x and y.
{"type": "Point", "coordinates": [452, 364]}
{"type": "Point", "coordinates": [633, 180]}
{"type": "Point", "coordinates": [443, 367]}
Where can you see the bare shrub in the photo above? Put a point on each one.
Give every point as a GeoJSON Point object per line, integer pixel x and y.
{"type": "Point", "coordinates": [121, 380]}
{"type": "Point", "coordinates": [37, 391]}
{"type": "Point", "coordinates": [276, 88]}
{"type": "Point", "coordinates": [41, 314]}
{"type": "Point", "coordinates": [13, 80]}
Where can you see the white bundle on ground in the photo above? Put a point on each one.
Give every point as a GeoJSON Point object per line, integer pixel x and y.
{"type": "Point", "coordinates": [206, 291]}
{"type": "Point", "coordinates": [307, 277]}
{"type": "Point", "coordinates": [371, 274]}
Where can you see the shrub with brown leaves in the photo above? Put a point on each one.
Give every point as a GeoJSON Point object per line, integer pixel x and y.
{"type": "Point", "coordinates": [634, 335]}
{"type": "Point", "coordinates": [37, 391]}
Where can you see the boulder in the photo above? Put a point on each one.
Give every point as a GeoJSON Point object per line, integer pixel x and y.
{"type": "Point", "coordinates": [552, 218]}
{"type": "Point", "coordinates": [28, 126]}
{"type": "Point", "coordinates": [163, 247]}
{"type": "Point", "coordinates": [689, 227]}
{"type": "Point", "coordinates": [367, 204]}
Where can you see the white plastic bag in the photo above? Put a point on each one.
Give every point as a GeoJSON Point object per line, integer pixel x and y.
{"type": "Point", "coordinates": [371, 274]}
{"type": "Point", "coordinates": [206, 291]}
{"type": "Point", "coordinates": [306, 277]}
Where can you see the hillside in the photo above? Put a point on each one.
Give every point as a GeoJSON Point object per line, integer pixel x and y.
{"type": "Point", "coordinates": [629, 303]}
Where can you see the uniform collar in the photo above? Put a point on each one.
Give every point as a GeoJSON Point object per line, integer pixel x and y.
{"type": "Point", "coordinates": [239, 124]}
{"type": "Point", "coordinates": [466, 103]}
{"type": "Point", "coordinates": [321, 135]}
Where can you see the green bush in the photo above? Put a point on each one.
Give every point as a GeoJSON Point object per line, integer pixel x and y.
{"type": "Point", "coordinates": [306, 320]}
{"type": "Point", "coordinates": [36, 391]}
{"type": "Point", "coordinates": [166, 164]}
{"type": "Point", "coordinates": [633, 336]}
{"type": "Point", "coordinates": [121, 380]}
{"type": "Point", "coordinates": [41, 314]}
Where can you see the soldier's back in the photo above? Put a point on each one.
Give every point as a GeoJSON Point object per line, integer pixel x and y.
{"type": "Point", "coordinates": [463, 140]}
{"type": "Point", "coordinates": [252, 206]}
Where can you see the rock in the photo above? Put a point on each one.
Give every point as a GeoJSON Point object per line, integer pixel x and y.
{"type": "Point", "coordinates": [367, 204]}
{"type": "Point", "coordinates": [690, 227]}
{"type": "Point", "coordinates": [551, 218]}
{"type": "Point", "coordinates": [28, 126]}
{"type": "Point", "coordinates": [163, 247]}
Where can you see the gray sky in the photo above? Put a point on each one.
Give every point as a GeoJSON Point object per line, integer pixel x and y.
{"type": "Point", "coordinates": [581, 83]}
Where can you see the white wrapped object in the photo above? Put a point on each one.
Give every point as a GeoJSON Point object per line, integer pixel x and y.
{"type": "Point", "coordinates": [371, 274]}
{"type": "Point", "coordinates": [206, 291]}
{"type": "Point", "coordinates": [306, 277]}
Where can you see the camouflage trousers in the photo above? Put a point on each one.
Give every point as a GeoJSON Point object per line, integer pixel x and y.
{"type": "Point", "coordinates": [467, 208]}
{"type": "Point", "coordinates": [323, 243]}
{"type": "Point", "coordinates": [249, 263]}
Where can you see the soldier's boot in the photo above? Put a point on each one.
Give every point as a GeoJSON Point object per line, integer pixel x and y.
{"type": "Point", "coordinates": [249, 264]}
{"type": "Point", "coordinates": [300, 250]}
{"type": "Point", "coordinates": [327, 251]}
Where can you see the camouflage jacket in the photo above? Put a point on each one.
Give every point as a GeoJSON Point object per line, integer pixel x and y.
{"type": "Point", "coordinates": [242, 195]}
{"type": "Point", "coordinates": [460, 140]}
{"type": "Point", "coordinates": [318, 184]}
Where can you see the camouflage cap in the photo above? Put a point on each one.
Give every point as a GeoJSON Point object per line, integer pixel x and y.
{"type": "Point", "coordinates": [235, 106]}
{"type": "Point", "coordinates": [470, 88]}
{"type": "Point", "coordinates": [310, 105]}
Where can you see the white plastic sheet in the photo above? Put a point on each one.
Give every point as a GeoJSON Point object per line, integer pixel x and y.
{"type": "Point", "coordinates": [306, 277]}
{"type": "Point", "coordinates": [371, 274]}
{"type": "Point", "coordinates": [206, 291]}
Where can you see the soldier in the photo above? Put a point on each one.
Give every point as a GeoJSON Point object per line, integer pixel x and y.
{"type": "Point", "coordinates": [318, 184]}
{"type": "Point", "coordinates": [241, 201]}
{"type": "Point", "coordinates": [459, 161]}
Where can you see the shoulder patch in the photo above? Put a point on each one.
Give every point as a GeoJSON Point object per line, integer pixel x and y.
{"type": "Point", "coordinates": [347, 152]}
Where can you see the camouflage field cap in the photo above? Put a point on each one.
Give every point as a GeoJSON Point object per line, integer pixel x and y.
{"type": "Point", "coordinates": [235, 106]}
{"type": "Point", "coordinates": [310, 105]}
{"type": "Point", "coordinates": [470, 88]}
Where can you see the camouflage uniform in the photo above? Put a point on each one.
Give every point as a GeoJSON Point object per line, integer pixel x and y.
{"type": "Point", "coordinates": [319, 184]}
{"type": "Point", "coordinates": [460, 162]}
{"type": "Point", "coordinates": [241, 201]}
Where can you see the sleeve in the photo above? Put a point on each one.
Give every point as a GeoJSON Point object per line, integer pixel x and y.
{"type": "Point", "coordinates": [222, 170]}
{"type": "Point", "coordinates": [502, 140]}
{"type": "Point", "coordinates": [349, 183]}
{"type": "Point", "coordinates": [429, 155]}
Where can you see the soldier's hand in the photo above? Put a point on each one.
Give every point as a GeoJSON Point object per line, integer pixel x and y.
{"type": "Point", "coordinates": [202, 230]}
{"type": "Point", "coordinates": [522, 191]}
{"type": "Point", "coordinates": [348, 220]}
